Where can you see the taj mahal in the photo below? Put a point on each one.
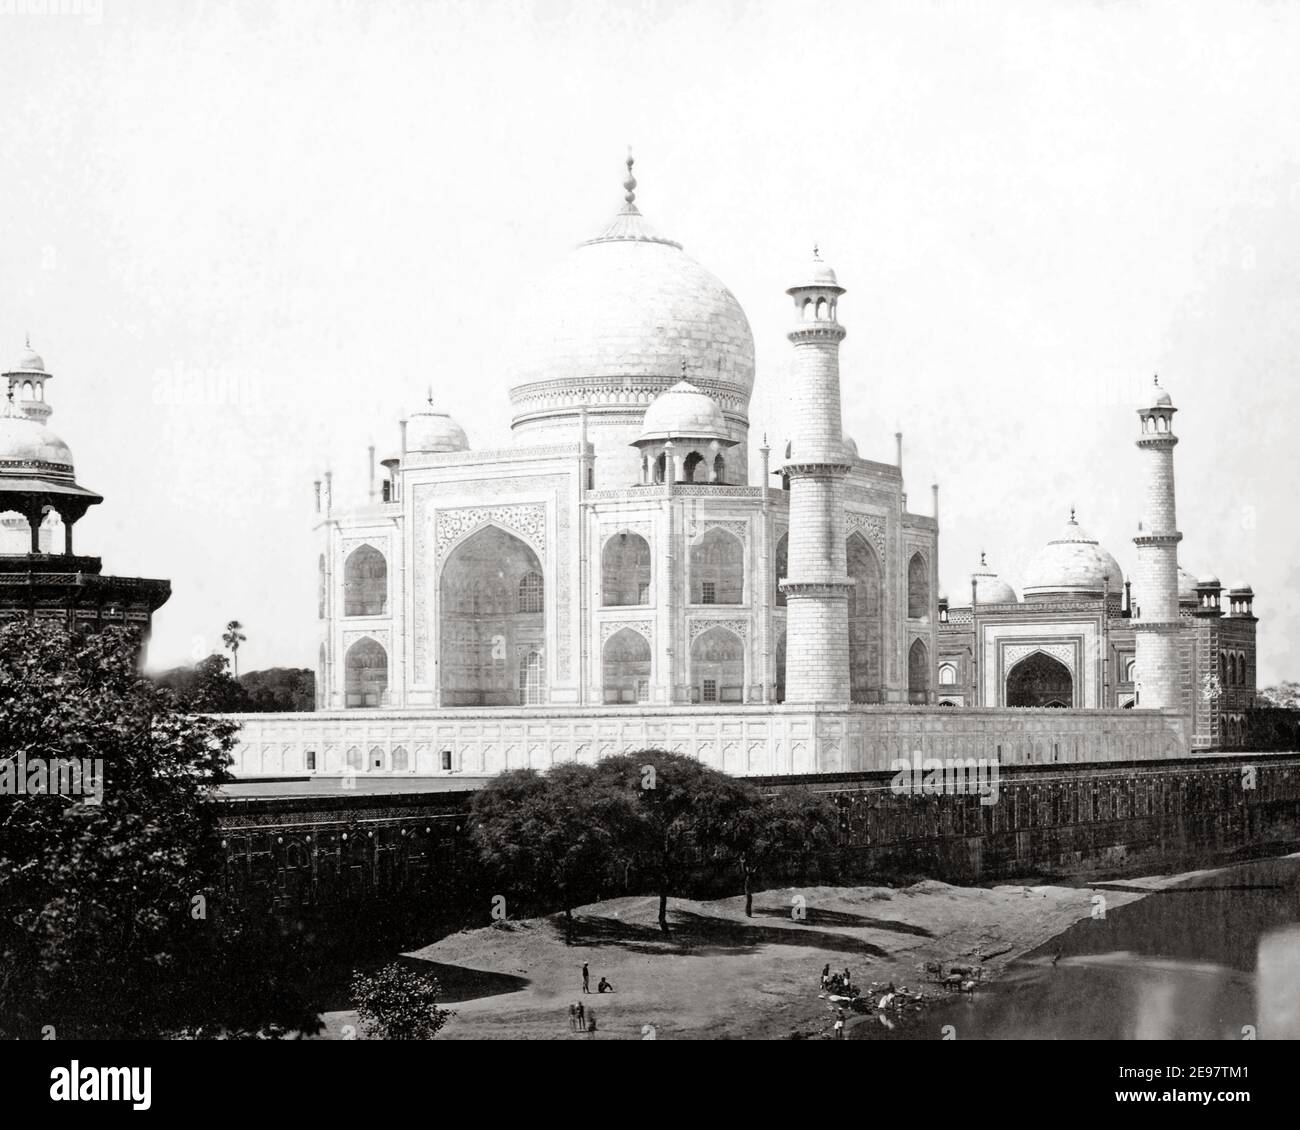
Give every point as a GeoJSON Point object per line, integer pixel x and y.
{"type": "Point", "coordinates": [613, 579]}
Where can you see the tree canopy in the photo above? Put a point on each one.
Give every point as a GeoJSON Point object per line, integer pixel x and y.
{"type": "Point", "coordinates": [110, 924]}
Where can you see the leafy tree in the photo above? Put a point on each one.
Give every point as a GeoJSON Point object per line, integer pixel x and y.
{"type": "Point", "coordinates": [280, 689]}
{"type": "Point", "coordinates": [1282, 694]}
{"type": "Point", "coordinates": [110, 927]}
{"type": "Point", "coordinates": [681, 813]}
{"type": "Point", "coordinates": [397, 1002]}
{"type": "Point", "coordinates": [787, 825]}
{"type": "Point", "coordinates": [232, 637]}
{"type": "Point", "coordinates": [555, 836]}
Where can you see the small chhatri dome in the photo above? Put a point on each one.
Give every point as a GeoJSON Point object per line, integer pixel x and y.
{"type": "Point", "coordinates": [434, 433]}
{"type": "Point", "coordinates": [1210, 581]}
{"type": "Point", "coordinates": [1186, 586]}
{"type": "Point", "coordinates": [29, 449]}
{"type": "Point", "coordinates": [684, 412]}
{"type": "Point", "coordinates": [850, 445]}
{"type": "Point", "coordinates": [817, 275]}
{"type": "Point", "coordinates": [989, 587]}
{"type": "Point", "coordinates": [1163, 399]}
{"type": "Point", "coordinates": [29, 361]}
{"type": "Point", "coordinates": [1072, 564]}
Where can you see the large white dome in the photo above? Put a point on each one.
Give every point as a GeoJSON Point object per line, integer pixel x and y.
{"type": "Point", "coordinates": [621, 319]}
{"type": "Point", "coordinates": [1073, 564]}
{"type": "Point", "coordinates": [26, 445]}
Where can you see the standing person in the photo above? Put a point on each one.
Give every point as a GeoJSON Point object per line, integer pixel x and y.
{"type": "Point", "coordinates": [591, 1021]}
{"type": "Point", "coordinates": [586, 978]}
{"type": "Point", "coordinates": [582, 1017]}
{"type": "Point", "coordinates": [826, 974]}
{"type": "Point", "coordinates": [839, 1028]}
{"type": "Point", "coordinates": [573, 1018]}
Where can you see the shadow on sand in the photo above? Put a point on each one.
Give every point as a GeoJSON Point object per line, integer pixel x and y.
{"type": "Point", "coordinates": [843, 919]}
{"type": "Point", "coordinates": [707, 934]}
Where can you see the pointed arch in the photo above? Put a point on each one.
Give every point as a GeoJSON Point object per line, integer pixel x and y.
{"type": "Point", "coordinates": [625, 570]}
{"type": "Point", "coordinates": [918, 587]}
{"type": "Point", "coordinates": [1039, 680]}
{"type": "Point", "coordinates": [918, 672]}
{"type": "Point", "coordinates": [718, 568]}
{"type": "Point", "coordinates": [718, 667]}
{"type": "Point", "coordinates": [866, 620]}
{"type": "Point", "coordinates": [365, 582]}
{"type": "Point", "coordinates": [491, 619]}
{"type": "Point", "coordinates": [782, 567]}
{"type": "Point", "coordinates": [366, 674]}
{"type": "Point", "coordinates": [625, 667]}
{"type": "Point", "coordinates": [780, 668]}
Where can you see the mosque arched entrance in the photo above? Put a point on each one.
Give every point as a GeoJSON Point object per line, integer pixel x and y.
{"type": "Point", "coordinates": [625, 667]}
{"type": "Point", "coordinates": [492, 601]}
{"type": "Point", "coordinates": [865, 621]}
{"type": "Point", "coordinates": [1040, 680]}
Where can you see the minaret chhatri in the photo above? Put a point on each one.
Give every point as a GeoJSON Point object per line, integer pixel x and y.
{"type": "Point", "coordinates": [817, 588]}
{"type": "Point", "coordinates": [1155, 586]}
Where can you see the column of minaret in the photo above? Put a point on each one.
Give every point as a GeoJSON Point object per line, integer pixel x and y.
{"type": "Point", "coordinates": [1155, 585]}
{"type": "Point", "coordinates": [817, 587]}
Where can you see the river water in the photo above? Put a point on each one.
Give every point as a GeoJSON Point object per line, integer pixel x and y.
{"type": "Point", "coordinates": [1215, 957]}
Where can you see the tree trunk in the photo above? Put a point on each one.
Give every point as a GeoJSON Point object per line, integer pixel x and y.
{"type": "Point", "coordinates": [663, 912]}
{"type": "Point", "coordinates": [749, 895]}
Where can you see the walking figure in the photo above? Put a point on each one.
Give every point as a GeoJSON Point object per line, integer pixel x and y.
{"type": "Point", "coordinates": [582, 1017]}
{"type": "Point", "coordinates": [586, 978]}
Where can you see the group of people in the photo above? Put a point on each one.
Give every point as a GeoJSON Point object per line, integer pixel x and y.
{"type": "Point", "coordinates": [604, 986]}
{"type": "Point", "coordinates": [841, 984]}
{"type": "Point", "coordinates": [581, 1018]}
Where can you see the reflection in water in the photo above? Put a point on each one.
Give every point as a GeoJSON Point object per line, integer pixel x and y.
{"type": "Point", "coordinates": [1180, 964]}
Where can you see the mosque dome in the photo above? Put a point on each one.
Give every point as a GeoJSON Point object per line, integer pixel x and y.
{"type": "Point", "coordinates": [850, 446]}
{"type": "Point", "coordinates": [434, 433]}
{"type": "Point", "coordinates": [684, 412]}
{"type": "Point", "coordinates": [28, 361]}
{"type": "Point", "coordinates": [1210, 581]}
{"type": "Point", "coordinates": [28, 448]}
{"type": "Point", "coordinates": [1186, 586]}
{"type": "Point", "coordinates": [989, 587]}
{"type": "Point", "coordinates": [615, 322]}
{"type": "Point", "coordinates": [1072, 564]}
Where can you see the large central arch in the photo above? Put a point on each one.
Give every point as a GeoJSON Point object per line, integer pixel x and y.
{"type": "Point", "coordinates": [866, 623]}
{"type": "Point", "coordinates": [1040, 680]}
{"type": "Point", "coordinates": [492, 623]}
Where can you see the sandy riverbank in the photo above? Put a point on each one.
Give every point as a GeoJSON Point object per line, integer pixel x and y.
{"type": "Point", "coordinates": [724, 976]}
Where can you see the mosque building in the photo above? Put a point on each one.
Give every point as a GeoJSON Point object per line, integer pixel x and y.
{"type": "Point", "coordinates": [40, 503]}
{"type": "Point", "coordinates": [613, 580]}
{"type": "Point", "coordinates": [1080, 639]}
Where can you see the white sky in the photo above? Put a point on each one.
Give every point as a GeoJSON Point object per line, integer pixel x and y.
{"type": "Point", "coordinates": [324, 207]}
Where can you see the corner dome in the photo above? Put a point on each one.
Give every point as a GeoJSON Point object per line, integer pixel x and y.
{"type": "Point", "coordinates": [850, 446]}
{"type": "Point", "coordinates": [1072, 564]}
{"type": "Point", "coordinates": [684, 412]}
{"type": "Point", "coordinates": [434, 433]}
{"type": "Point", "coordinates": [1187, 586]}
{"type": "Point", "coordinates": [28, 447]}
{"type": "Point", "coordinates": [613, 323]}
{"type": "Point", "coordinates": [28, 361]}
{"type": "Point", "coordinates": [990, 588]}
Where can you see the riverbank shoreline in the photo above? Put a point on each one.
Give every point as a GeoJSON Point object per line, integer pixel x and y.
{"type": "Point", "coordinates": [721, 975]}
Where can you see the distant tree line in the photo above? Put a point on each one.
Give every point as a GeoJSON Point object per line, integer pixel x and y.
{"type": "Point", "coordinates": [208, 687]}
{"type": "Point", "coordinates": [648, 820]}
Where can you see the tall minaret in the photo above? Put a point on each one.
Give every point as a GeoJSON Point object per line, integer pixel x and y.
{"type": "Point", "coordinates": [817, 588]}
{"type": "Point", "coordinates": [1155, 586]}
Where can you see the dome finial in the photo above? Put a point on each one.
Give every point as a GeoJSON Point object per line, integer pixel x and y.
{"type": "Point", "coordinates": [630, 183]}
{"type": "Point", "coordinates": [983, 563]}
{"type": "Point", "coordinates": [1072, 514]}
{"type": "Point", "coordinates": [429, 397]}
{"type": "Point", "coordinates": [817, 255]}
{"type": "Point", "coordinates": [683, 368]}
